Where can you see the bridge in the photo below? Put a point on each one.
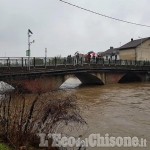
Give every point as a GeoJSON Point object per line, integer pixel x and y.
{"type": "Point", "coordinates": [45, 74]}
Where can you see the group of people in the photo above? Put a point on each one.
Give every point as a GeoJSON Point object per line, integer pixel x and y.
{"type": "Point", "coordinates": [76, 59]}
{"type": "Point", "coordinates": [83, 58]}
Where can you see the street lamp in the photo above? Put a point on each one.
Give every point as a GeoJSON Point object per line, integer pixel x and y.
{"type": "Point", "coordinates": [28, 53]}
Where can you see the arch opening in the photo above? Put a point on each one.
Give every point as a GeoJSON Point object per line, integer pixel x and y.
{"type": "Point", "coordinates": [70, 83]}
{"type": "Point", "coordinates": [80, 79]}
{"type": "Point", "coordinates": [89, 79]}
{"type": "Point", "coordinates": [130, 78]}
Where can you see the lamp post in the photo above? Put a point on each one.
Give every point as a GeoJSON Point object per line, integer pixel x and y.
{"type": "Point", "coordinates": [29, 45]}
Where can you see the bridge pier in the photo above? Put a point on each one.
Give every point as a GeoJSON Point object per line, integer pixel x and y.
{"type": "Point", "coordinates": [38, 85]}
{"type": "Point", "coordinates": [113, 77]}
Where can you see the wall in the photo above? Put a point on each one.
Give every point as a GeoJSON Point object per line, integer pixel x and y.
{"type": "Point", "coordinates": [143, 51]}
{"type": "Point", "coordinates": [128, 54]}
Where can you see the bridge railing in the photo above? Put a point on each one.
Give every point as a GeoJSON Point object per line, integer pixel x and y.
{"type": "Point", "coordinates": [65, 61]}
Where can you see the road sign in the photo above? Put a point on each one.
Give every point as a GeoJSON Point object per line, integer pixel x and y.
{"type": "Point", "coordinates": [27, 52]}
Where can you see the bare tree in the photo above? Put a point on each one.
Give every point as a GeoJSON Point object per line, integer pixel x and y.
{"type": "Point", "coordinates": [23, 116]}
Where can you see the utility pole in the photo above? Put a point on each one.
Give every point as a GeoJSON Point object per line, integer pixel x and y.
{"type": "Point", "coordinates": [45, 57]}
{"type": "Point", "coordinates": [45, 52]}
{"type": "Point", "coordinates": [28, 52]}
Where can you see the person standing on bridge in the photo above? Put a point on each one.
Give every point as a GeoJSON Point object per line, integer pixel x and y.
{"type": "Point", "coordinates": [77, 57]}
{"type": "Point", "coordinates": [89, 57]}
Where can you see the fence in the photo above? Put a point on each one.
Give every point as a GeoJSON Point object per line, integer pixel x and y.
{"type": "Point", "coordinates": [54, 61]}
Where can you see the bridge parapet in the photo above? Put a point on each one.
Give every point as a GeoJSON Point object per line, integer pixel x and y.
{"type": "Point", "coordinates": [35, 63]}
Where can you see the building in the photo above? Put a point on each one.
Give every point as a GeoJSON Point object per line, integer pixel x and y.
{"type": "Point", "coordinates": [111, 54]}
{"type": "Point", "coordinates": [136, 50]}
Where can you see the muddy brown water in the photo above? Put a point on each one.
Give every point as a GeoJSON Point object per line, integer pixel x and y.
{"type": "Point", "coordinates": [117, 109]}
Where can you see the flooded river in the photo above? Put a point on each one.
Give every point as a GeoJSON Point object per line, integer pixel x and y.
{"type": "Point", "coordinates": [121, 110]}
{"type": "Point", "coordinates": [118, 109]}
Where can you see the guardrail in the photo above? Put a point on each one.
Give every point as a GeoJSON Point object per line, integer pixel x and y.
{"type": "Point", "coordinates": [25, 62]}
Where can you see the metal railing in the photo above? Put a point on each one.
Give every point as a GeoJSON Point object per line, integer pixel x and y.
{"type": "Point", "coordinates": [54, 61]}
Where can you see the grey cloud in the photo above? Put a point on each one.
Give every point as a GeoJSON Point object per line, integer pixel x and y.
{"type": "Point", "coordinates": [63, 29]}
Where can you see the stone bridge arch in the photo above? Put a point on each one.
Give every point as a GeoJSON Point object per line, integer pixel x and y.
{"type": "Point", "coordinates": [45, 83]}
{"type": "Point", "coordinates": [90, 78]}
{"type": "Point", "coordinates": [124, 77]}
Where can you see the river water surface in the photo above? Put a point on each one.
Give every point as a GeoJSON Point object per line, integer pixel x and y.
{"type": "Point", "coordinates": [117, 109]}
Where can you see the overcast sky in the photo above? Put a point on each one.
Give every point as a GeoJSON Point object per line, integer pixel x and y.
{"type": "Point", "coordinates": [64, 29]}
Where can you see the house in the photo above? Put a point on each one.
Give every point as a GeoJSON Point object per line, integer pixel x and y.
{"type": "Point", "coordinates": [111, 54]}
{"type": "Point", "coordinates": [136, 50]}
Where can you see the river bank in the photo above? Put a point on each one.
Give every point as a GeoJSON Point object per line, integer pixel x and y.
{"type": "Point", "coordinates": [24, 116]}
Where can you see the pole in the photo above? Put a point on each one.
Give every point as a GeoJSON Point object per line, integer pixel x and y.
{"type": "Point", "coordinates": [29, 44]}
{"type": "Point", "coordinates": [45, 52]}
{"type": "Point", "coordinates": [45, 57]}
{"type": "Point", "coordinates": [28, 50]}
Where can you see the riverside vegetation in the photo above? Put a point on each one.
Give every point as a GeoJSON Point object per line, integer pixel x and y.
{"type": "Point", "coordinates": [23, 116]}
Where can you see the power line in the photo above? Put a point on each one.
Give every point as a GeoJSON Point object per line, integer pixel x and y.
{"type": "Point", "coordinates": [103, 15]}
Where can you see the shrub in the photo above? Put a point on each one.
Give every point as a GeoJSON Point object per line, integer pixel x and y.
{"type": "Point", "coordinates": [23, 116]}
{"type": "Point", "coordinates": [4, 147]}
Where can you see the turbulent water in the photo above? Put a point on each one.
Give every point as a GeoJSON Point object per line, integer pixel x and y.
{"type": "Point", "coordinates": [118, 109]}
{"type": "Point", "coordinates": [4, 87]}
